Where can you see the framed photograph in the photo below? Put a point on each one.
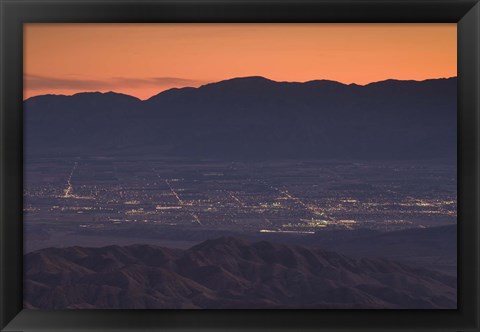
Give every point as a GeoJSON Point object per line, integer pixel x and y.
{"type": "Point", "coordinates": [257, 165]}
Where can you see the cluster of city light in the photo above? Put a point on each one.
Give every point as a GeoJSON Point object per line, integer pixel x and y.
{"type": "Point", "coordinates": [278, 207]}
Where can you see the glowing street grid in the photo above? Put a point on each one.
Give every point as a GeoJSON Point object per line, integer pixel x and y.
{"type": "Point", "coordinates": [287, 196]}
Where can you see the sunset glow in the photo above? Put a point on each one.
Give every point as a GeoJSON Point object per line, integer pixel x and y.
{"type": "Point", "coordinates": [145, 59]}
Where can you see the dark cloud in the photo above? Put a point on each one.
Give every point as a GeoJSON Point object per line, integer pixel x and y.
{"type": "Point", "coordinates": [38, 82]}
{"type": "Point", "coordinates": [155, 81]}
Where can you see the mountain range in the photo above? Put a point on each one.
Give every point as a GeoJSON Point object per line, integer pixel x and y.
{"type": "Point", "coordinates": [224, 273]}
{"type": "Point", "coordinates": [253, 117]}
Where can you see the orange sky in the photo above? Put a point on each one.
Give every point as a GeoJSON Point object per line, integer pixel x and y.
{"type": "Point", "coordinates": [144, 59]}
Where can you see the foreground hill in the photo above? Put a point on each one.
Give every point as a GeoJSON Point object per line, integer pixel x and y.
{"type": "Point", "coordinates": [254, 117]}
{"type": "Point", "coordinates": [226, 273]}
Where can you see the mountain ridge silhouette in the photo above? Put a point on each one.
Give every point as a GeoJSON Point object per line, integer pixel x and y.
{"type": "Point", "coordinates": [255, 117]}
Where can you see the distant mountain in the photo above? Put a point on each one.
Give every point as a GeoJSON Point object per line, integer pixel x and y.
{"type": "Point", "coordinates": [226, 273]}
{"type": "Point", "coordinates": [254, 117]}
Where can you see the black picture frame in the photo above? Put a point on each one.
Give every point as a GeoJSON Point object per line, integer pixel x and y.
{"type": "Point", "coordinates": [14, 13]}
